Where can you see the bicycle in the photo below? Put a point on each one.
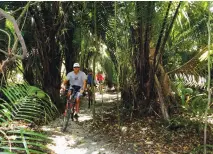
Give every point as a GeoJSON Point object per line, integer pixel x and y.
{"type": "Point", "coordinates": [90, 97]}
{"type": "Point", "coordinates": [69, 109]}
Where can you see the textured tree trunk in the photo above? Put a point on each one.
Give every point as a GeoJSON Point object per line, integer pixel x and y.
{"type": "Point", "coordinates": [47, 48]}
{"type": "Point", "coordinates": [3, 47]}
{"type": "Point", "coordinates": [94, 59]}
{"type": "Point", "coordinates": [28, 72]}
{"type": "Point", "coordinates": [143, 34]}
{"type": "Point", "coordinates": [163, 107]}
{"type": "Point", "coordinates": [150, 76]}
{"type": "Point", "coordinates": [71, 51]}
{"type": "Point", "coordinates": [52, 74]}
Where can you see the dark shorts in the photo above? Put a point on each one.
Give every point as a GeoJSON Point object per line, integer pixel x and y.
{"type": "Point", "coordinates": [77, 89]}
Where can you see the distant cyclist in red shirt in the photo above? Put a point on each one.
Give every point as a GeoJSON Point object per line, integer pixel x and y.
{"type": "Point", "coordinates": [100, 77]}
{"type": "Point", "coordinates": [100, 80]}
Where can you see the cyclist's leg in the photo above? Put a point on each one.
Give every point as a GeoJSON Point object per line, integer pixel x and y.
{"type": "Point", "coordinates": [69, 93]}
{"type": "Point", "coordinates": [100, 87]}
{"type": "Point", "coordinates": [97, 86]}
{"type": "Point", "coordinates": [78, 95]}
{"type": "Point", "coordinates": [67, 99]}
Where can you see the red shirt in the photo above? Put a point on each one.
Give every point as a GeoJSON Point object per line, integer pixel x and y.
{"type": "Point", "coordinates": [99, 77]}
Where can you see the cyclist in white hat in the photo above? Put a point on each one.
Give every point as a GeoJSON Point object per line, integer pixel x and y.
{"type": "Point", "coordinates": [77, 80]}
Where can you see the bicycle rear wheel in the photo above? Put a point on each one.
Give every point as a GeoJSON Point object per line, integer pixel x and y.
{"type": "Point", "coordinates": [66, 119]}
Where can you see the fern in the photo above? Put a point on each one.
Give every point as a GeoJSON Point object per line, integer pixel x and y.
{"type": "Point", "coordinates": [23, 139]}
{"type": "Point", "coordinates": [26, 103]}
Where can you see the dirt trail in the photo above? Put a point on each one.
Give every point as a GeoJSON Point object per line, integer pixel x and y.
{"type": "Point", "coordinates": [77, 139]}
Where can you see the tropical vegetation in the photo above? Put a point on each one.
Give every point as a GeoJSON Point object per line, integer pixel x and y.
{"type": "Point", "coordinates": [154, 53]}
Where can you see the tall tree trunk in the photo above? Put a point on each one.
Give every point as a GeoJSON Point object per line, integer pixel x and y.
{"type": "Point", "coordinates": [145, 12]}
{"type": "Point", "coordinates": [3, 46]}
{"type": "Point", "coordinates": [46, 34]}
{"type": "Point", "coordinates": [71, 51]}
{"type": "Point", "coordinates": [94, 59]}
{"type": "Point", "coordinates": [163, 107]}
{"type": "Point", "coordinates": [28, 72]}
{"type": "Point", "coordinates": [149, 75]}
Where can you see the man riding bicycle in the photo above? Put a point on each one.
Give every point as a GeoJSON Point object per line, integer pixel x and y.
{"type": "Point", "coordinates": [77, 80]}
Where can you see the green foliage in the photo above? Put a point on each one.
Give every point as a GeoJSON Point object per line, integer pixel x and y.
{"type": "Point", "coordinates": [183, 91]}
{"type": "Point", "coordinates": [10, 26]}
{"type": "Point", "coordinates": [22, 140]}
{"type": "Point", "coordinates": [109, 69]}
{"type": "Point", "coordinates": [28, 103]}
{"type": "Point", "coordinates": [199, 149]}
{"type": "Point", "coordinates": [188, 35]}
{"type": "Point", "coordinates": [36, 91]}
{"type": "Point", "coordinates": [24, 104]}
{"type": "Point", "coordinates": [198, 104]}
{"type": "Point", "coordinates": [193, 100]}
{"type": "Point", "coordinates": [182, 122]}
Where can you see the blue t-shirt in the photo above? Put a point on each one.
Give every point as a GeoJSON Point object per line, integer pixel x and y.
{"type": "Point", "coordinates": [89, 79]}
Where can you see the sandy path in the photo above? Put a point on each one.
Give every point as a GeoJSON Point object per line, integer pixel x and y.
{"type": "Point", "coordinates": [77, 139]}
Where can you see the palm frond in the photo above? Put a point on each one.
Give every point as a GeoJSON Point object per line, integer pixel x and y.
{"type": "Point", "coordinates": [29, 104]}
{"type": "Point", "coordinates": [24, 141]}
{"type": "Point", "coordinates": [193, 66]}
{"type": "Point", "coordinates": [25, 102]}
{"type": "Point", "coordinates": [191, 80]}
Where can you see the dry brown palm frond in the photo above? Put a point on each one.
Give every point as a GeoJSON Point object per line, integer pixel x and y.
{"type": "Point", "coordinates": [191, 80]}
{"type": "Point", "coordinates": [192, 66]}
{"type": "Point", "coordinates": [193, 72]}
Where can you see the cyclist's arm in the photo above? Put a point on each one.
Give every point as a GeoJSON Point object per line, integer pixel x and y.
{"type": "Point", "coordinates": [84, 79]}
{"type": "Point", "coordinates": [84, 84]}
{"type": "Point", "coordinates": [64, 83]}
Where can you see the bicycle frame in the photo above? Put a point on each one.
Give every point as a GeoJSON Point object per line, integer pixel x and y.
{"type": "Point", "coordinates": [69, 109]}
{"type": "Point", "coordinates": [90, 96]}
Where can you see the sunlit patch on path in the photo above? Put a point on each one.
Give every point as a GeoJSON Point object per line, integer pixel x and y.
{"type": "Point", "coordinates": [77, 139]}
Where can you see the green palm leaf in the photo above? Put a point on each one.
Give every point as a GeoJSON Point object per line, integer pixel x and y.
{"type": "Point", "coordinates": [27, 102]}
{"type": "Point", "coordinates": [22, 149]}
{"type": "Point", "coordinates": [24, 103]}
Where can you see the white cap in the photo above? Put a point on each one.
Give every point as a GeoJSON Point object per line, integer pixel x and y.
{"type": "Point", "coordinates": [76, 65]}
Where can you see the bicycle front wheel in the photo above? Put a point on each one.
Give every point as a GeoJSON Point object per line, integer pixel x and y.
{"type": "Point", "coordinates": [66, 120]}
